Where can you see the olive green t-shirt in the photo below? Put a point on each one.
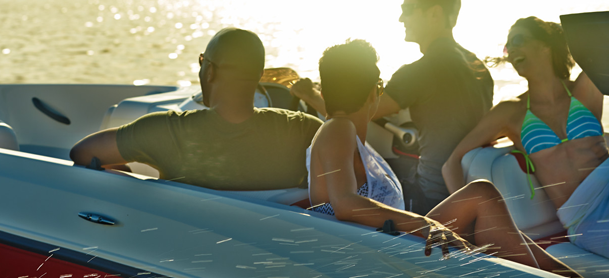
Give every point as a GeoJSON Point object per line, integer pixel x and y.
{"type": "Point", "coordinates": [267, 151]}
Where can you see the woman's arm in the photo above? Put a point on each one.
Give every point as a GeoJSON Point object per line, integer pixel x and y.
{"type": "Point", "coordinates": [332, 165]}
{"type": "Point", "coordinates": [587, 93]}
{"type": "Point", "coordinates": [492, 126]}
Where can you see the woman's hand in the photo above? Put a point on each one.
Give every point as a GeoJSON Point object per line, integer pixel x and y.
{"type": "Point", "coordinates": [438, 234]}
{"type": "Point", "coordinates": [304, 89]}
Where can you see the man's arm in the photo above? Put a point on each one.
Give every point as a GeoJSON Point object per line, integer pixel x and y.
{"type": "Point", "coordinates": [102, 145]}
{"type": "Point", "coordinates": [387, 106]}
{"type": "Point", "coordinates": [304, 90]}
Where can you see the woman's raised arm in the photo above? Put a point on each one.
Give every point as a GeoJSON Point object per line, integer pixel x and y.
{"type": "Point", "coordinates": [492, 126]}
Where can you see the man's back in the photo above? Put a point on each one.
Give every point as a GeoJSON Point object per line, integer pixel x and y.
{"type": "Point", "coordinates": [448, 91]}
{"type": "Point", "coordinates": [267, 151]}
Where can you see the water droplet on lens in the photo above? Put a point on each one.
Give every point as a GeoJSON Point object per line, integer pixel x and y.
{"type": "Point", "coordinates": [178, 25]}
{"type": "Point", "coordinates": [100, 19]}
{"type": "Point", "coordinates": [101, 7]}
{"type": "Point", "coordinates": [152, 9]}
{"type": "Point", "coordinates": [89, 24]}
{"type": "Point", "coordinates": [173, 55]}
{"type": "Point", "coordinates": [150, 29]}
{"type": "Point", "coordinates": [117, 16]}
{"type": "Point", "coordinates": [6, 51]}
{"type": "Point", "coordinates": [90, 52]}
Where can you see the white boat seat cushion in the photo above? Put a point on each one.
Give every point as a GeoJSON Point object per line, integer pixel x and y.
{"type": "Point", "coordinates": [8, 138]}
{"type": "Point", "coordinates": [536, 218]}
{"type": "Point", "coordinates": [586, 263]}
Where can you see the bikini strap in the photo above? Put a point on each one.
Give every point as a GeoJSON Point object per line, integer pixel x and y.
{"type": "Point", "coordinates": [529, 100]}
{"type": "Point", "coordinates": [565, 85]}
{"type": "Point", "coordinates": [530, 168]}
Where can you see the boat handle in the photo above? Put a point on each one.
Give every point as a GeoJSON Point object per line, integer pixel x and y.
{"type": "Point", "coordinates": [96, 218]}
{"type": "Point", "coordinates": [47, 111]}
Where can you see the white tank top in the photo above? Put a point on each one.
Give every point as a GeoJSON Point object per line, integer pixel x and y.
{"type": "Point", "coordinates": [382, 185]}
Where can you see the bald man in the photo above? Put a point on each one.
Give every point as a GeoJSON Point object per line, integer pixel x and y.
{"type": "Point", "coordinates": [232, 145]}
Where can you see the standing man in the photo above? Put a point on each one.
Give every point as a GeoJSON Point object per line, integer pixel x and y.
{"type": "Point", "coordinates": [448, 91]}
{"type": "Point", "coordinates": [232, 145]}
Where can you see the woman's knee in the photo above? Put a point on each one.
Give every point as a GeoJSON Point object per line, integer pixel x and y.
{"type": "Point", "coordinates": [483, 188]}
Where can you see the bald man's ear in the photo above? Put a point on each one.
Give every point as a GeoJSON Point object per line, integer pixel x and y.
{"type": "Point", "coordinates": [211, 73]}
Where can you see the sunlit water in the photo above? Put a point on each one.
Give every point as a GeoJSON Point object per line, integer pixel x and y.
{"type": "Point", "coordinates": [158, 41]}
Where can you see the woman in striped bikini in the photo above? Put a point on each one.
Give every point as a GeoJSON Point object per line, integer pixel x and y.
{"type": "Point", "coordinates": [557, 124]}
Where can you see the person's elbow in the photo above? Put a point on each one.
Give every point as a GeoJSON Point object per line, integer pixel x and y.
{"type": "Point", "coordinates": [341, 213]}
{"type": "Point", "coordinates": [79, 155]}
{"type": "Point", "coordinates": [344, 207]}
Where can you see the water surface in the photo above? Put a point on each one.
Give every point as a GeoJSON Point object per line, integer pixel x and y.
{"type": "Point", "coordinates": [158, 41]}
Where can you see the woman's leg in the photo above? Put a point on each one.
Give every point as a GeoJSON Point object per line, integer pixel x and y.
{"type": "Point", "coordinates": [481, 217]}
{"type": "Point", "coordinates": [479, 214]}
{"type": "Point", "coordinates": [547, 261]}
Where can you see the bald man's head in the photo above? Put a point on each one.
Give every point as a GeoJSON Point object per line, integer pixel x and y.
{"type": "Point", "coordinates": [236, 53]}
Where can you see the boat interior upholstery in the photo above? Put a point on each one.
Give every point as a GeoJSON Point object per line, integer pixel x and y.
{"type": "Point", "coordinates": [47, 120]}
{"type": "Point", "coordinates": [8, 139]}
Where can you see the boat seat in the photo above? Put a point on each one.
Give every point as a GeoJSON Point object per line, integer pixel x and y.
{"type": "Point", "coordinates": [535, 217]}
{"type": "Point", "coordinates": [8, 138]}
{"type": "Point", "coordinates": [586, 263]}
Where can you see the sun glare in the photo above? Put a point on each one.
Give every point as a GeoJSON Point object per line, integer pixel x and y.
{"type": "Point", "coordinates": [156, 39]}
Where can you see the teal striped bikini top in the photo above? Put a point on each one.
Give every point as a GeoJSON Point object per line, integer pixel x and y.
{"type": "Point", "coordinates": [536, 135]}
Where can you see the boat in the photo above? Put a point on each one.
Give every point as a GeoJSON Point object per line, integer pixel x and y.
{"type": "Point", "coordinates": [61, 220]}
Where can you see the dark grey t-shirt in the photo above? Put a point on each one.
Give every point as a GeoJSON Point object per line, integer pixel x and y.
{"type": "Point", "coordinates": [448, 91]}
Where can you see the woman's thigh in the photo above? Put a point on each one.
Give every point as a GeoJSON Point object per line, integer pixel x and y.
{"type": "Point", "coordinates": [462, 210]}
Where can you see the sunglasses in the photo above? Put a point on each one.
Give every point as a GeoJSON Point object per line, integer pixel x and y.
{"type": "Point", "coordinates": [516, 41]}
{"type": "Point", "coordinates": [380, 89]}
{"type": "Point", "coordinates": [202, 58]}
{"type": "Point", "coordinates": [408, 9]}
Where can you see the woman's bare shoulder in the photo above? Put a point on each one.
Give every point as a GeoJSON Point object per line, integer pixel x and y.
{"type": "Point", "coordinates": [335, 133]}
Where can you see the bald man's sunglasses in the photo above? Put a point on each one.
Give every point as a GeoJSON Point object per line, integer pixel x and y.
{"type": "Point", "coordinates": [202, 58]}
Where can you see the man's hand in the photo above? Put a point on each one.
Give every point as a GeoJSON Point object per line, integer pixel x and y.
{"type": "Point", "coordinates": [438, 234]}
